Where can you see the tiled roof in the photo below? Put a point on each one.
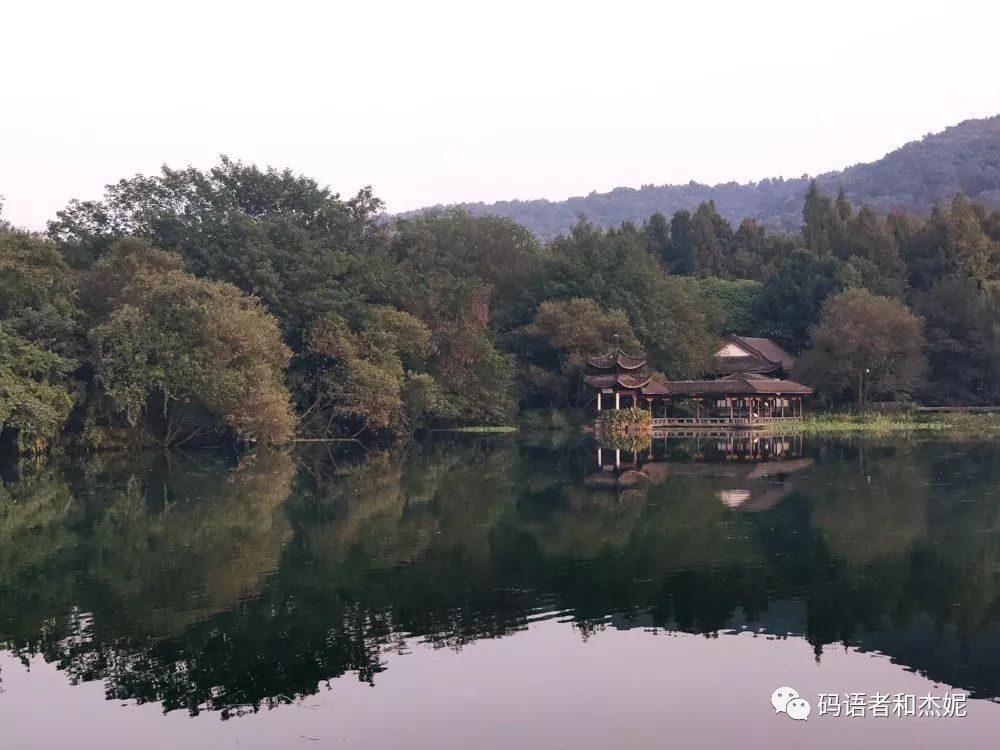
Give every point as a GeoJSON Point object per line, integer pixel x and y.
{"type": "Point", "coordinates": [656, 387]}
{"type": "Point", "coordinates": [616, 357]}
{"type": "Point", "coordinates": [748, 363]}
{"type": "Point", "coordinates": [742, 384]}
{"type": "Point", "coordinates": [631, 382]}
{"type": "Point", "coordinates": [768, 349]}
{"type": "Point", "coordinates": [737, 385]}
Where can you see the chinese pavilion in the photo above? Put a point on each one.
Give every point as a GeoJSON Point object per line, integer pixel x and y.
{"type": "Point", "coordinates": [749, 388]}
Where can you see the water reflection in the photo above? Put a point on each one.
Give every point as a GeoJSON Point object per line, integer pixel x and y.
{"type": "Point", "coordinates": [755, 469]}
{"type": "Point", "coordinates": [210, 583]}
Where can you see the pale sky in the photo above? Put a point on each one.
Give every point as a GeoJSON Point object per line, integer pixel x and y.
{"type": "Point", "coordinates": [437, 102]}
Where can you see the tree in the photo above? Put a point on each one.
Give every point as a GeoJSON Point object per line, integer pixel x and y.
{"type": "Point", "coordinates": [501, 255]}
{"type": "Point", "coordinates": [671, 321]}
{"type": "Point", "coordinates": [821, 224]}
{"type": "Point", "coordinates": [679, 254]}
{"type": "Point", "coordinates": [871, 249]}
{"type": "Point", "coordinates": [35, 393]}
{"type": "Point", "coordinates": [793, 296]}
{"type": "Point", "coordinates": [962, 328]}
{"type": "Point", "coordinates": [966, 246]}
{"type": "Point", "coordinates": [38, 293]}
{"type": "Point", "coordinates": [360, 378]}
{"type": "Point", "coordinates": [39, 341]}
{"type": "Point", "coordinates": [738, 303]}
{"type": "Point", "coordinates": [657, 231]}
{"type": "Point", "coordinates": [707, 248]}
{"type": "Point", "coordinates": [560, 338]}
{"type": "Point", "coordinates": [273, 234]}
{"type": "Point", "coordinates": [181, 356]}
{"type": "Point", "coordinates": [865, 345]}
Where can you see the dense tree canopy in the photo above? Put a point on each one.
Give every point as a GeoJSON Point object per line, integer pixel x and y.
{"type": "Point", "coordinates": [167, 343]}
{"type": "Point", "coordinates": [253, 304]}
{"type": "Point", "coordinates": [671, 321]}
{"type": "Point", "coordinates": [558, 340]}
{"type": "Point", "coordinates": [866, 346]}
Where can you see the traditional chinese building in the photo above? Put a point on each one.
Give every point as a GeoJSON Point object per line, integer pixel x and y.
{"type": "Point", "coordinates": [749, 387]}
{"type": "Point", "coordinates": [622, 381]}
{"type": "Point", "coordinates": [746, 354]}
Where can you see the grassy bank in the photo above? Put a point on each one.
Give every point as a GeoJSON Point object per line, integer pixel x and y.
{"type": "Point", "coordinates": [480, 429]}
{"type": "Point", "coordinates": [949, 423]}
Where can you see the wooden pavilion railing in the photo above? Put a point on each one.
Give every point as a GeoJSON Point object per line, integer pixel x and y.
{"type": "Point", "coordinates": [719, 421]}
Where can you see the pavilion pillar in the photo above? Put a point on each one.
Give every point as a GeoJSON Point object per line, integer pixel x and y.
{"type": "Point", "coordinates": [618, 400]}
{"type": "Point", "coordinates": [600, 457]}
{"type": "Point", "coordinates": [618, 458]}
{"type": "Point", "coordinates": [598, 402]}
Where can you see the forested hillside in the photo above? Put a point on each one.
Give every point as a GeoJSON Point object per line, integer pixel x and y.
{"type": "Point", "coordinates": [964, 158]}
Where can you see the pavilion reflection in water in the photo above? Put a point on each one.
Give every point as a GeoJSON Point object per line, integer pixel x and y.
{"type": "Point", "coordinates": [753, 472]}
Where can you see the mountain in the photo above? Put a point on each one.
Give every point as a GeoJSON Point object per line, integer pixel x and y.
{"type": "Point", "coordinates": [963, 158]}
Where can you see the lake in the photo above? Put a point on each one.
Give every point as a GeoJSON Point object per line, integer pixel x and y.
{"type": "Point", "coordinates": [505, 592]}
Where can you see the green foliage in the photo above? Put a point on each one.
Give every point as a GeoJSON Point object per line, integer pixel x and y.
{"type": "Point", "coordinates": [962, 327]}
{"type": "Point", "coordinates": [37, 292]}
{"type": "Point", "coordinates": [793, 297]}
{"type": "Point", "coordinates": [558, 341]}
{"type": "Point", "coordinates": [737, 302]}
{"type": "Point", "coordinates": [273, 234]}
{"type": "Point", "coordinates": [672, 323]}
{"type": "Point", "coordinates": [449, 246]}
{"type": "Point", "coordinates": [35, 394]}
{"type": "Point", "coordinates": [867, 346]}
{"type": "Point", "coordinates": [269, 289]}
{"type": "Point", "coordinates": [627, 423]}
{"type": "Point", "coordinates": [360, 377]}
{"type": "Point", "coordinates": [165, 340]}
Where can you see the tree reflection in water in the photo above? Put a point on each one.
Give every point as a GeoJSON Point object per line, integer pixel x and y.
{"type": "Point", "coordinates": [209, 583]}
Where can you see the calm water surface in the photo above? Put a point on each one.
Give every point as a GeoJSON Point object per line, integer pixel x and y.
{"type": "Point", "coordinates": [501, 593]}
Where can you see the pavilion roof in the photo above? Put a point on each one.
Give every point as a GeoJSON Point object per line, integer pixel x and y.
{"type": "Point", "coordinates": [623, 379]}
{"type": "Point", "coordinates": [615, 358]}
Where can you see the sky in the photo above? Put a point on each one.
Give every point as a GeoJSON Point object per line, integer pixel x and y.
{"type": "Point", "coordinates": [438, 102]}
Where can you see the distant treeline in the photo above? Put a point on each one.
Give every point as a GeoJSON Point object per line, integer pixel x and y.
{"type": "Point", "coordinates": [256, 305]}
{"type": "Point", "coordinates": [961, 159]}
